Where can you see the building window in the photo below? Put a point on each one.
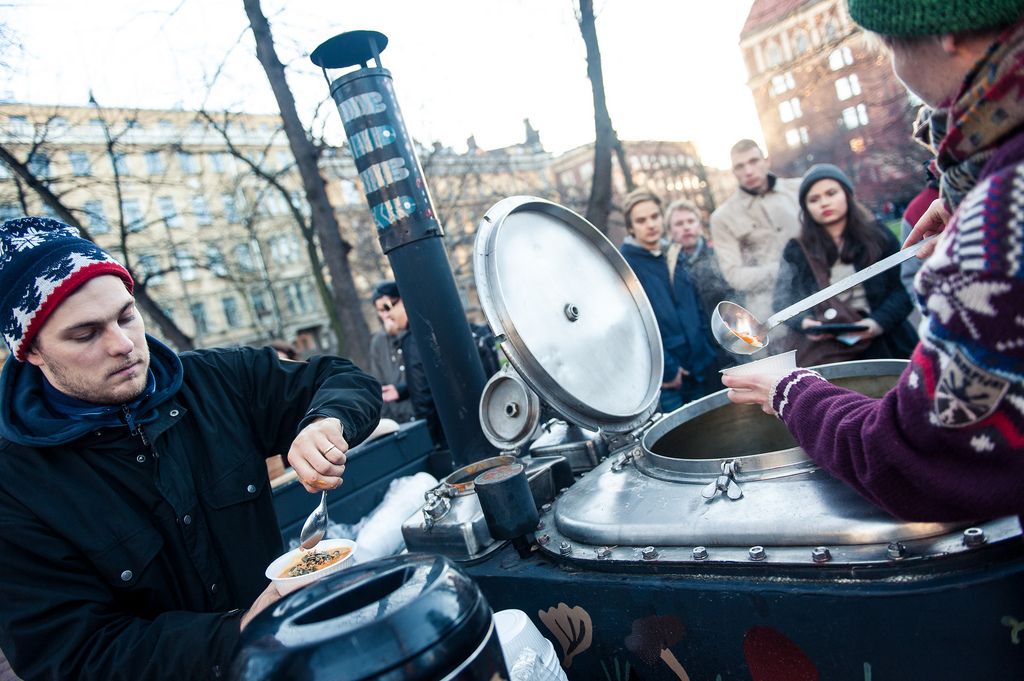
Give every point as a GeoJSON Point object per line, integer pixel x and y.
{"type": "Point", "coordinates": [243, 256]}
{"type": "Point", "coordinates": [790, 110]}
{"type": "Point", "coordinates": [187, 163]}
{"type": "Point", "coordinates": [259, 304]}
{"type": "Point", "coordinates": [219, 161]}
{"type": "Point", "coordinates": [39, 164]}
{"type": "Point", "coordinates": [121, 164]}
{"type": "Point", "coordinates": [165, 204]}
{"type": "Point", "coordinates": [96, 217]}
{"type": "Point", "coordinates": [295, 298]}
{"type": "Point", "coordinates": [801, 42]}
{"type": "Point", "coordinates": [80, 165]}
{"type": "Point", "coordinates": [796, 137]}
{"type": "Point", "coordinates": [231, 312]}
{"type": "Point", "coordinates": [201, 211]}
{"type": "Point", "coordinates": [230, 208]}
{"type": "Point", "coordinates": [154, 163]}
{"type": "Point", "coordinates": [284, 249]}
{"type": "Point", "coordinates": [847, 87]}
{"type": "Point", "coordinates": [185, 263]}
{"type": "Point", "coordinates": [831, 29]}
{"type": "Point", "coordinates": [215, 260]}
{"type": "Point", "coordinates": [855, 116]}
{"type": "Point", "coordinates": [773, 54]}
{"type": "Point", "coordinates": [133, 218]}
{"type": "Point", "coordinates": [149, 266]}
{"type": "Point", "coordinates": [274, 203]}
{"type": "Point", "coordinates": [198, 311]}
{"type": "Point", "coordinates": [782, 83]}
{"type": "Point", "coordinates": [284, 160]}
{"type": "Point", "coordinates": [840, 58]}
{"type": "Point", "coordinates": [299, 201]}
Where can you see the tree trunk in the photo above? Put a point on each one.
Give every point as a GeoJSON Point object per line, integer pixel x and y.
{"type": "Point", "coordinates": [170, 331]}
{"type": "Point", "coordinates": [627, 172]}
{"type": "Point", "coordinates": [354, 336]}
{"type": "Point", "coordinates": [600, 203]}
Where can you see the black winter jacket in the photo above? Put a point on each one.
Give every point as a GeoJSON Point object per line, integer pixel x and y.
{"type": "Point", "coordinates": [125, 557]}
{"type": "Point", "coordinates": [888, 299]}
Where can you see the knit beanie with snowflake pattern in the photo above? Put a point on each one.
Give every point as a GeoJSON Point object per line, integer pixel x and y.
{"type": "Point", "coordinates": [42, 262]}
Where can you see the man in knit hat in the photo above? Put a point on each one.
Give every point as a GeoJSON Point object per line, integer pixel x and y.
{"type": "Point", "coordinates": [945, 444]}
{"type": "Point", "coordinates": [135, 512]}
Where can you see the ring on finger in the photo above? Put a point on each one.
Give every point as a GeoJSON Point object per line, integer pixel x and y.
{"type": "Point", "coordinates": [329, 449]}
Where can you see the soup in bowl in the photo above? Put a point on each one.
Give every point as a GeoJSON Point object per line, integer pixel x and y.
{"type": "Point", "coordinates": [300, 567]}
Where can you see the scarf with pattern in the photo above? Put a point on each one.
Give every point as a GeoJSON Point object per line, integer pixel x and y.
{"type": "Point", "coordinates": [966, 134]}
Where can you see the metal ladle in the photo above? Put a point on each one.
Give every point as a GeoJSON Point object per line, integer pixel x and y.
{"type": "Point", "coordinates": [729, 319]}
{"type": "Point", "coordinates": [315, 527]}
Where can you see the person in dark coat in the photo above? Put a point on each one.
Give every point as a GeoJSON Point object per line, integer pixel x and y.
{"type": "Point", "coordinates": [838, 236]}
{"type": "Point", "coordinates": [415, 389]}
{"type": "Point", "coordinates": [686, 343]}
{"type": "Point", "coordinates": [388, 363]}
{"type": "Point", "coordinates": [136, 517]}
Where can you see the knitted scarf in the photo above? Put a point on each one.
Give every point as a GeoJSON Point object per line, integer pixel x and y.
{"type": "Point", "coordinates": [966, 134]}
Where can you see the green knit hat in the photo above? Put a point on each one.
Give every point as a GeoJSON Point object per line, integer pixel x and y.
{"type": "Point", "coordinates": [906, 18]}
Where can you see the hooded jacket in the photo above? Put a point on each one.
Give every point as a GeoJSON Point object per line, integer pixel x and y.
{"type": "Point", "coordinates": [685, 339]}
{"type": "Point", "coordinates": [126, 554]}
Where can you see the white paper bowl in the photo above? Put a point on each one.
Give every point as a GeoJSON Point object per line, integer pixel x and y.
{"type": "Point", "coordinates": [784, 361]}
{"type": "Point", "coordinates": [288, 584]}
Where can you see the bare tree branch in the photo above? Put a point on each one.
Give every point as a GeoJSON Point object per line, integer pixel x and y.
{"type": "Point", "coordinates": [167, 326]}
{"type": "Point", "coordinates": [356, 338]}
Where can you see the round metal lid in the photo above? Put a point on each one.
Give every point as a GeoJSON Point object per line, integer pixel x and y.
{"type": "Point", "coordinates": [569, 313]}
{"type": "Point", "coordinates": [509, 410]}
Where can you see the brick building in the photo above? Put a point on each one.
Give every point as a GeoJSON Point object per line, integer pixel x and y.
{"type": "Point", "coordinates": [823, 94]}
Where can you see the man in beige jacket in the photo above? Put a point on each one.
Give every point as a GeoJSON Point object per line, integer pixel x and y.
{"type": "Point", "coordinates": [751, 228]}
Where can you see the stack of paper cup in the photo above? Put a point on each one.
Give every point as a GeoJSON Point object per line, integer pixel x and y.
{"type": "Point", "coordinates": [522, 642]}
{"type": "Point", "coordinates": [784, 361]}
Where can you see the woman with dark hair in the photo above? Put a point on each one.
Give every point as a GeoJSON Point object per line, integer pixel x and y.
{"type": "Point", "coordinates": [838, 237]}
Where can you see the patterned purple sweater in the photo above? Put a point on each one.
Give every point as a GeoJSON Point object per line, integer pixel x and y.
{"type": "Point", "coordinates": [947, 442]}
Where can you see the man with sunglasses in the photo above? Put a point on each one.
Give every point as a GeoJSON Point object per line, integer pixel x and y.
{"type": "Point", "coordinates": [396, 362]}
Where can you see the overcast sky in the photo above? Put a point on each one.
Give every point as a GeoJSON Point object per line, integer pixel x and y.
{"type": "Point", "coordinates": [672, 68]}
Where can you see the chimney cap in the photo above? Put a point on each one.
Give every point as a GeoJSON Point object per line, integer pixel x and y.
{"type": "Point", "coordinates": [349, 49]}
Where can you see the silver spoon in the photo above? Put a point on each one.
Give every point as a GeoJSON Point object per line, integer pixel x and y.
{"type": "Point", "coordinates": [729, 319]}
{"type": "Point", "coordinates": [315, 527]}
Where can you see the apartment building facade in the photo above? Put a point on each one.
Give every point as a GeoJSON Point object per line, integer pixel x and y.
{"type": "Point", "coordinates": [184, 201]}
